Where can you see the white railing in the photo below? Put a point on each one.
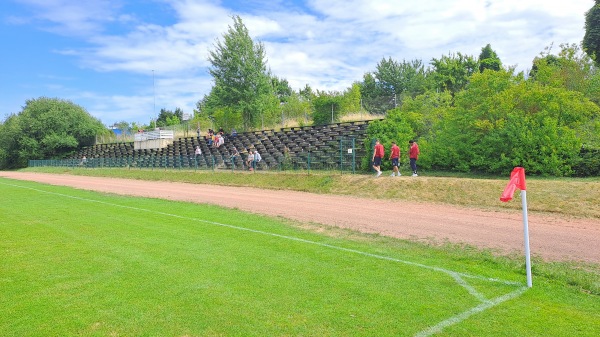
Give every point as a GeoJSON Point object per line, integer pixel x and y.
{"type": "Point", "coordinates": [151, 135]}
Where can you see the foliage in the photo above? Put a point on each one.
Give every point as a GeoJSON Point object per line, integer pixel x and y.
{"type": "Point", "coordinates": [503, 121]}
{"type": "Point", "coordinates": [306, 93]}
{"type": "Point", "coordinates": [122, 125]}
{"type": "Point", "coordinates": [425, 112]}
{"type": "Point", "coordinates": [350, 102]}
{"type": "Point", "coordinates": [591, 39]}
{"type": "Point", "coordinates": [588, 163]}
{"type": "Point", "coordinates": [46, 128]}
{"type": "Point", "coordinates": [395, 128]}
{"type": "Point", "coordinates": [374, 99]}
{"type": "Point", "coordinates": [571, 69]}
{"type": "Point", "coordinates": [282, 88]}
{"type": "Point", "coordinates": [298, 108]}
{"type": "Point", "coordinates": [243, 85]}
{"type": "Point", "coordinates": [168, 117]}
{"type": "Point", "coordinates": [452, 72]}
{"type": "Point", "coordinates": [488, 59]}
{"type": "Point", "coordinates": [391, 82]}
{"type": "Point", "coordinates": [327, 107]}
{"type": "Point", "coordinates": [417, 119]}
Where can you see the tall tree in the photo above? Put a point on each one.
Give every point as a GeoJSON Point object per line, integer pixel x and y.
{"type": "Point", "coordinates": [452, 72]}
{"type": "Point", "coordinates": [591, 39]}
{"type": "Point", "coordinates": [46, 128]}
{"type": "Point", "coordinates": [327, 107]}
{"type": "Point", "coordinates": [386, 87]}
{"type": "Point", "coordinates": [168, 117]}
{"type": "Point", "coordinates": [374, 98]}
{"type": "Point", "coordinates": [351, 100]}
{"type": "Point", "coordinates": [282, 88]}
{"type": "Point", "coordinates": [488, 59]}
{"type": "Point", "coordinates": [571, 69]}
{"type": "Point", "coordinates": [242, 81]}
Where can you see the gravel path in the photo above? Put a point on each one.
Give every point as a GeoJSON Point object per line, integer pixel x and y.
{"type": "Point", "coordinates": [552, 238]}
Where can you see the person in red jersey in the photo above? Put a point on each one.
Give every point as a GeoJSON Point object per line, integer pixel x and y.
{"type": "Point", "coordinates": [395, 158]}
{"type": "Point", "coordinates": [413, 154]}
{"type": "Point", "coordinates": [377, 156]}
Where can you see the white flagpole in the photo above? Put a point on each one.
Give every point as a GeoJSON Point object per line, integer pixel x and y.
{"type": "Point", "coordinates": [526, 235]}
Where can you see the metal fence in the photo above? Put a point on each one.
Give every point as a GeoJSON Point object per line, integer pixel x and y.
{"type": "Point", "coordinates": [347, 162]}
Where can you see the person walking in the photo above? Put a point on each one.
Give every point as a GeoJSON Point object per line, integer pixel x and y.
{"type": "Point", "coordinates": [413, 154]}
{"type": "Point", "coordinates": [395, 158]}
{"type": "Point", "coordinates": [378, 153]}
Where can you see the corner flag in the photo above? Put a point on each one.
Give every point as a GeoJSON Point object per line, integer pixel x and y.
{"type": "Point", "coordinates": [517, 180]}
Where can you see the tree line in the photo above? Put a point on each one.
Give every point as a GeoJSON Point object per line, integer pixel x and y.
{"type": "Point", "coordinates": [468, 114]}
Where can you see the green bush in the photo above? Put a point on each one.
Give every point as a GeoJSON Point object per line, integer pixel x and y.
{"type": "Point", "coordinates": [588, 163]}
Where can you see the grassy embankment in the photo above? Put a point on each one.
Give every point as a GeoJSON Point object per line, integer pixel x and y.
{"type": "Point", "coordinates": [563, 197]}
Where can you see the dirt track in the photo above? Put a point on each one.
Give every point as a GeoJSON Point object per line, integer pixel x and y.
{"type": "Point", "coordinates": [553, 238]}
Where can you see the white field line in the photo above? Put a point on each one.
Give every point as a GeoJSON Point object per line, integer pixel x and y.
{"type": "Point", "coordinates": [458, 277]}
{"type": "Point", "coordinates": [466, 314]}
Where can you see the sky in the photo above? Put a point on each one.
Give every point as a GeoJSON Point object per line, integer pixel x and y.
{"type": "Point", "coordinates": [124, 60]}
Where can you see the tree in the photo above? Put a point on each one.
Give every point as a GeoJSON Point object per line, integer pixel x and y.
{"type": "Point", "coordinates": [327, 107]}
{"type": "Point", "coordinates": [306, 93]}
{"type": "Point", "coordinates": [418, 118]}
{"type": "Point", "coordinates": [452, 72]}
{"type": "Point", "coordinates": [501, 121]}
{"type": "Point", "coordinates": [375, 99]}
{"type": "Point", "coordinates": [168, 117]}
{"type": "Point", "coordinates": [297, 108]}
{"type": "Point", "coordinates": [488, 59]}
{"type": "Point", "coordinates": [46, 128]}
{"type": "Point", "coordinates": [591, 39]}
{"type": "Point", "coordinates": [386, 87]}
{"type": "Point", "coordinates": [394, 128]}
{"type": "Point", "coordinates": [350, 102]}
{"type": "Point", "coordinates": [242, 82]}
{"type": "Point", "coordinates": [571, 69]}
{"type": "Point", "coordinates": [282, 88]}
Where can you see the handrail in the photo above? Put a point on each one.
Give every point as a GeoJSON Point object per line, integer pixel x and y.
{"type": "Point", "coordinates": [151, 135]}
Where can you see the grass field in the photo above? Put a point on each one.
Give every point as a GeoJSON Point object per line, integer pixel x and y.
{"type": "Point", "coordinates": [78, 263]}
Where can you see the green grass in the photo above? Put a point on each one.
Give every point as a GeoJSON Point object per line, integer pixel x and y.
{"type": "Point", "coordinates": [79, 263]}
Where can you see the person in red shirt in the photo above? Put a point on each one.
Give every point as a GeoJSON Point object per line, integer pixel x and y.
{"type": "Point", "coordinates": [395, 158]}
{"type": "Point", "coordinates": [413, 154]}
{"type": "Point", "coordinates": [377, 156]}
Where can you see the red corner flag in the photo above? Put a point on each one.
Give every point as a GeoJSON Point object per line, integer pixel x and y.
{"type": "Point", "coordinates": [517, 180]}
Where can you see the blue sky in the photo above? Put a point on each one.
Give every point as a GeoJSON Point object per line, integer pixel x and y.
{"type": "Point", "coordinates": [124, 60]}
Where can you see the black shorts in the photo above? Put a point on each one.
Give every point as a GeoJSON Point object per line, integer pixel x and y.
{"type": "Point", "coordinates": [394, 162]}
{"type": "Point", "coordinates": [377, 161]}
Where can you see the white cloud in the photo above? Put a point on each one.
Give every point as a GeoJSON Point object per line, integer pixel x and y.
{"type": "Point", "coordinates": [329, 45]}
{"type": "Point", "coordinates": [70, 17]}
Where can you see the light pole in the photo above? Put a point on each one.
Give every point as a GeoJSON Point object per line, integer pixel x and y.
{"type": "Point", "coordinates": [281, 104]}
{"type": "Point", "coordinates": [154, 101]}
{"type": "Point", "coordinates": [331, 113]}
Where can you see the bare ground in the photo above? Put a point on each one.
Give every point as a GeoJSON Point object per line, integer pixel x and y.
{"type": "Point", "coordinates": [551, 237]}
